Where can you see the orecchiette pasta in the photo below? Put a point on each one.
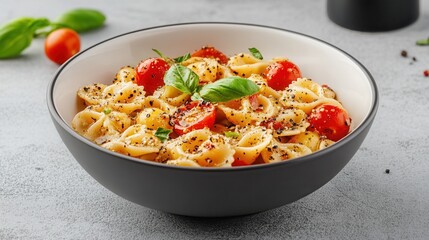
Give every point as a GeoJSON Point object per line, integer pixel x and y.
{"type": "Point", "coordinates": [179, 128]}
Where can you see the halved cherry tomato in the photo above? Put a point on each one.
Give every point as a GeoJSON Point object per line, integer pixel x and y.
{"type": "Point", "coordinates": [150, 74]}
{"type": "Point", "coordinates": [211, 52]}
{"type": "Point", "coordinates": [330, 121]}
{"type": "Point", "coordinates": [194, 115]}
{"type": "Point", "coordinates": [62, 44]}
{"type": "Point", "coordinates": [280, 74]}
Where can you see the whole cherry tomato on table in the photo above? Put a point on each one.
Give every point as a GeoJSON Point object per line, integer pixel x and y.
{"type": "Point", "coordinates": [211, 52]}
{"type": "Point", "coordinates": [280, 74]}
{"type": "Point", "coordinates": [330, 121]}
{"type": "Point", "coordinates": [193, 116]}
{"type": "Point", "coordinates": [62, 44]}
{"type": "Point", "coordinates": [150, 74]}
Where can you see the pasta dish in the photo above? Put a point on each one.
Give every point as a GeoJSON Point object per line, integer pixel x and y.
{"type": "Point", "coordinates": [206, 109]}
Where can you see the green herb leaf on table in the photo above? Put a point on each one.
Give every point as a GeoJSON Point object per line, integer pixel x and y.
{"type": "Point", "coordinates": [423, 42]}
{"type": "Point", "coordinates": [17, 35]}
{"type": "Point", "coordinates": [162, 134]}
{"type": "Point", "coordinates": [255, 52]}
{"type": "Point", "coordinates": [81, 20]}
{"type": "Point", "coordinates": [228, 89]}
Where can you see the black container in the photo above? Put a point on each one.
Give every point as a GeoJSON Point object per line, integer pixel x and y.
{"type": "Point", "coordinates": [373, 15]}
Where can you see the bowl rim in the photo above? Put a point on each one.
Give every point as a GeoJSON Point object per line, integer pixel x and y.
{"type": "Point", "coordinates": [299, 160]}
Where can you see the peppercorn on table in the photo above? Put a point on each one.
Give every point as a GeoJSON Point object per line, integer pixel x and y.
{"type": "Point", "coordinates": [382, 193]}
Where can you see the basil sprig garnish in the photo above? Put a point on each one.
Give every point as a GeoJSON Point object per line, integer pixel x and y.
{"type": "Point", "coordinates": [162, 134]}
{"type": "Point", "coordinates": [182, 58]}
{"type": "Point", "coordinates": [182, 78]}
{"type": "Point", "coordinates": [223, 90]}
{"type": "Point", "coordinates": [255, 52]}
{"type": "Point", "coordinates": [174, 60]}
{"type": "Point", "coordinates": [228, 89]}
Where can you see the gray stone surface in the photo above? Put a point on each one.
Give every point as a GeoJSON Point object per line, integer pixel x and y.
{"type": "Point", "coordinates": [45, 194]}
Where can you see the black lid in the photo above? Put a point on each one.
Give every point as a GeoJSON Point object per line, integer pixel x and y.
{"type": "Point", "coordinates": [373, 15]}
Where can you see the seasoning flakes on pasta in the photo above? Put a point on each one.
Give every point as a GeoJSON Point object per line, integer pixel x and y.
{"type": "Point", "coordinates": [210, 110]}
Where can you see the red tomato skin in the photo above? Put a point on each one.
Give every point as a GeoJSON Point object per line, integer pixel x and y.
{"type": "Point", "coordinates": [211, 52]}
{"type": "Point", "coordinates": [280, 74]}
{"type": "Point", "coordinates": [203, 112]}
{"type": "Point", "coordinates": [62, 44]}
{"type": "Point", "coordinates": [330, 121]}
{"type": "Point", "coordinates": [150, 74]}
{"type": "Point", "coordinates": [238, 163]}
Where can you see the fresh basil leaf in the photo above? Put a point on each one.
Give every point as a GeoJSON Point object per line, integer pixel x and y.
{"type": "Point", "coordinates": [162, 134]}
{"type": "Point", "coordinates": [17, 35]}
{"type": "Point", "coordinates": [231, 134]}
{"type": "Point", "coordinates": [228, 89]}
{"type": "Point", "coordinates": [255, 52]}
{"type": "Point", "coordinates": [182, 78]}
{"type": "Point", "coordinates": [159, 53]}
{"type": "Point", "coordinates": [196, 97]}
{"type": "Point", "coordinates": [81, 19]}
{"type": "Point", "coordinates": [182, 58]}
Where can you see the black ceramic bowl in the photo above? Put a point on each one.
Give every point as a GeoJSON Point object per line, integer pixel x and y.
{"type": "Point", "coordinates": [210, 192]}
{"type": "Point", "coordinates": [373, 15]}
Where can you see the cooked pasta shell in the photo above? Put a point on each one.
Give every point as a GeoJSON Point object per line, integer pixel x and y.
{"type": "Point", "coordinates": [154, 102]}
{"type": "Point", "coordinates": [251, 144]}
{"type": "Point", "coordinates": [171, 95]}
{"type": "Point", "coordinates": [294, 121]}
{"type": "Point", "coordinates": [205, 148]}
{"type": "Point", "coordinates": [305, 95]}
{"type": "Point", "coordinates": [310, 139]}
{"type": "Point", "coordinates": [244, 65]}
{"type": "Point", "coordinates": [136, 141]}
{"type": "Point", "coordinates": [125, 97]}
{"type": "Point", "coordinates": [99, 126]}
{"type": "Point", "coordinates": [277, 152]}
{"type": "Point", "coordinates": [205, 68]}
{"type": "Point", "coordinates": [242, 113]}
{"type": "Point", "coordinates": [89, 123]}
{"type": "Point", "coordinates": [183, 162]}
{"type": "Point", "coordinates": [125, 74]}
{"type": "Point", "coordinates": [91, 94]}
{"type": "Point", "coordinates": [154, 118]}
{"type": "Point", "coordinates": [324, 143]}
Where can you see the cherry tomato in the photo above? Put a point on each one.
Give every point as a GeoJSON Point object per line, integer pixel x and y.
{"type": "Point", "coordinates": [192, 116]}
{"type": "Point", "coordinates": [280, 74]}
{"type": "Point", "coordinates": [211, 52]}
{"type": "Point", "coordinates": [150, 74]}
{"type": "Point", "coordinates": [330, 121]}
{"type": "Point", "coordinates": [62, 44]}
{"type": "Point", "coordinates": [238, 163]}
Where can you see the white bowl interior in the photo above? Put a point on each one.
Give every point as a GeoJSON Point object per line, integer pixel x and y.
{"type": "Point", "coordinates": [317, 60]}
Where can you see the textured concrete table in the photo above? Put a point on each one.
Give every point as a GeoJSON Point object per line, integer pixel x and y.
{"type": "Point", "coordinates": [45, 194]}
